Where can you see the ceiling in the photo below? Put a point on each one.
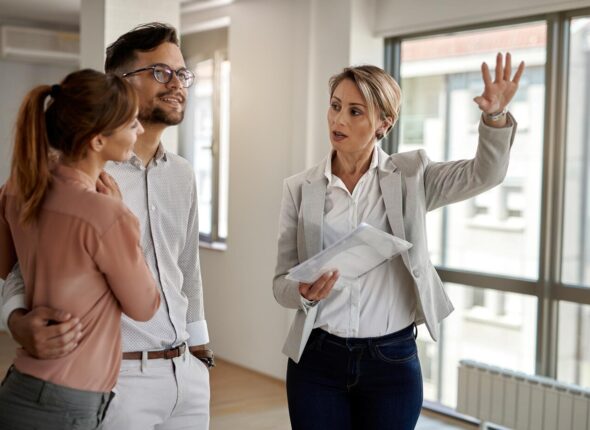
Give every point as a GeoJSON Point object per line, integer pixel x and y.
{"type": "Point", "coordinates": [66, 12]}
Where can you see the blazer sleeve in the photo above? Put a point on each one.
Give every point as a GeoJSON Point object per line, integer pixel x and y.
{"type": "Point", "coordinates": [120, 258]}
{"type": "Point", "coordinates": [453, 181]}
{"type": "Point", "coordinates": [286, 292]}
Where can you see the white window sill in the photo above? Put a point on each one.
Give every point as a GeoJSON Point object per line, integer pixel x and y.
{"type": "Point", "coordinates": [484, 316]}
{"type": "Point", "coordinates": [215, 246]}
{"type": "Point", "coordinates": [487, 223]}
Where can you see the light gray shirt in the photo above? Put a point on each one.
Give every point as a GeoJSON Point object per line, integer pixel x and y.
{"type": "Point", "coordinates": [163, 196]}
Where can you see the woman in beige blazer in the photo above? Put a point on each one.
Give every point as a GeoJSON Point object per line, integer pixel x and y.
{"type": "Point", "coordinates": [352, 353]}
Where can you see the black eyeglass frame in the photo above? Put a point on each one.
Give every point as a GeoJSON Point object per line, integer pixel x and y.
{"type": "Point", "coordinates": [167, 67]}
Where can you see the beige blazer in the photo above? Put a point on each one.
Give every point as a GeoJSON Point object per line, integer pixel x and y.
{"type": "Point", "coordinates": [411, 185]}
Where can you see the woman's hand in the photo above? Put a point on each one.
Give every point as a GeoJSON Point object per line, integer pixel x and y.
{"type": "Point", "coordinates": [107, 185]}
{"type": "Point", "coordinates": [321, 288]}
{"type": "Point", "coordinates": [497, 94]}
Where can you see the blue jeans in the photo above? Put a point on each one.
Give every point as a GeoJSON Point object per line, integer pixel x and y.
{"type": "Point", "coordinates": [356, 383]}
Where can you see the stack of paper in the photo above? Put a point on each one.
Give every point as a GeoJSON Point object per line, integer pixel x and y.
{"type": "Point", "coordinates": [353, 256]}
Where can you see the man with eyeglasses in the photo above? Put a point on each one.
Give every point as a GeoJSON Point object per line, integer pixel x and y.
{"type": "Point", "coordinates": [164, 380]}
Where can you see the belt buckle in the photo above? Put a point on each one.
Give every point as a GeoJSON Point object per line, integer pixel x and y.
{"type": "Point", "coordinates": [171, 353]}
{"type": "Point", "coordinates": [174, 352]}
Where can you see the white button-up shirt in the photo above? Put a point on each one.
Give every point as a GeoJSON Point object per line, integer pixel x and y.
{"type": "Point", "coordinates": [383, 300]}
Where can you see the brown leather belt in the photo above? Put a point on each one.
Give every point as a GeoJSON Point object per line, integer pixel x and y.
{"type": "Point", "coordinates": [151, 355]}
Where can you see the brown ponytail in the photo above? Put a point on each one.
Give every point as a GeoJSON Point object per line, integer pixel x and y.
{"type": "Point", "coordinates": [85, 104]}
{"type": "Point", "coordinates": [30, 159]}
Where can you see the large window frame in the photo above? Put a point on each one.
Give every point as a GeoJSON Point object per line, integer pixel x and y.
{"type": "Point", "coordinates": [219, 147]}
{"type": "Point", "coordinates": [548, 288]}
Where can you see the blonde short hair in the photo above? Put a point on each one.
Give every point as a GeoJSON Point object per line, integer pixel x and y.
{"type": "Point", "coordinates": [380, 90]}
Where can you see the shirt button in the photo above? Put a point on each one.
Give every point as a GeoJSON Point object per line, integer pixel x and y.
{"type": "Point", "coordinates": [153, 207]}
{"type": "Point", "coordinates": [416, 273]}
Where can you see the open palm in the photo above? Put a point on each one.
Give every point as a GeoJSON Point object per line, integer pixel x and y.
{"type": "Point", "coordinates": [497, 94]}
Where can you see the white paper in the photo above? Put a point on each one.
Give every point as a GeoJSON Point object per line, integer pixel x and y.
{"type": "Point", "coordinates": [353, 256]}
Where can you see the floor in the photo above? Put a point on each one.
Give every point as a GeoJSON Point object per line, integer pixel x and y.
{"type": "Point", "coordinates": [243, 399]}
{"type": "Point", "coordinates": [250, 401]}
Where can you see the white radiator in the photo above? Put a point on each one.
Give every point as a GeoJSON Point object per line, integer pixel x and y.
{"type": "Point", "coordinates": [520, 401]}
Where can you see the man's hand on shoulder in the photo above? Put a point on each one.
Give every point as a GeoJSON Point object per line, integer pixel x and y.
{"type": "Point", "coordinates": [45, 333]}
{"type": "Point", "coordinates": [107, 185]}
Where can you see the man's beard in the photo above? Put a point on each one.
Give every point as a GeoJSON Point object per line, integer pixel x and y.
{"type": "Point", "coordinates": [156, 115]}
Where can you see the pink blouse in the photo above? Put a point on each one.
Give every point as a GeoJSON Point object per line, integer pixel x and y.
{"type": "Point", "coordinates": [83, 256]}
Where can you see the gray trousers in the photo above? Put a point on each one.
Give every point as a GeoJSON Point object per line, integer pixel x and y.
{"type": "Point", "coordinates": [29, 403]}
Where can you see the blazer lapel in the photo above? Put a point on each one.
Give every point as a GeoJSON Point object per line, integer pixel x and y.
{"type": "Point", "coordinates": [391, 188]}
{"type": "Point", "coordinates": [390, 182]}
{"type": "Point", "coordinates": [313, 199]}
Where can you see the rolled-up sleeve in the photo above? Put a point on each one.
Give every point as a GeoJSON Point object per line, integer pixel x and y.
{"type": "Point", "coordinates": [192, 285]}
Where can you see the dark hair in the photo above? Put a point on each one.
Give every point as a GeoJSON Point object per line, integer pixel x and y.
{"type": "Point", "coordinates": [145, 37]}
{"type": "Point", "coordinates": [85, 104]}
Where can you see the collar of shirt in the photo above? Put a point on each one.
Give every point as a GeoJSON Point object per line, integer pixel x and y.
{"type": "Point", "coordinates": [160, 155]}
{"type": "Point", "coordinates": [73, 175]}
{"type": "Point", "coordinates": [328, 167]}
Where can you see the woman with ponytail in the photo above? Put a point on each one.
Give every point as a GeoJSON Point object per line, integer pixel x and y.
{"type": "Point", "coordinates": [78, 249]}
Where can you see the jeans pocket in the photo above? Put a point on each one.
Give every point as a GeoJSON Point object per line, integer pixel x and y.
{"type": "Point", "coordinates": [398, 352]}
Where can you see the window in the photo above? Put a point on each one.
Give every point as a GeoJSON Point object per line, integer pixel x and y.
{"type": "Point", "coordinates": [576, 255]}
{"type": "Point", "coordinates": [516, 259]}
{"type": "Point", "coordinates": [489, 326]}
{"type": "Point", "coordinates": [502, 208]}
{"type": "Point", "coordinates": [440, 75]}
{"type": "Point", "coordinates": [492, 240]}
{"type": "Point", "coordinates": [209, 140]}
{"type": "Point", "coordinates": [574, 318]}
{"type": "Point", "coordinates": [574, 343]}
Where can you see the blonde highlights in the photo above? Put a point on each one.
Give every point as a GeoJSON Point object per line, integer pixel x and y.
{"type": "Point", "coordinates": [381, 92]}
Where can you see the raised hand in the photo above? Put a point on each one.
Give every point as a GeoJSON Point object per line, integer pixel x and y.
{"type": "Point", "coordinates": [497, 94]}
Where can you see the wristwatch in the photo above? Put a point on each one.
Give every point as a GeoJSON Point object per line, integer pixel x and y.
{"type": "Point", "coordinates": [496, 116]}
{"type": "Point", "coordinates": [206, 356]}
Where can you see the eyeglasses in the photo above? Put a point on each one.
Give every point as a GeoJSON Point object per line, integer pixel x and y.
{"type": "Point", "coordinates": [163, 74]}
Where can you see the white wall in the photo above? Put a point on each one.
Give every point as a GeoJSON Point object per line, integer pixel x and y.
{"type": "Point", "coordinates": [246, 325]}
{"type": "Point", "coordinates": [16, 79]}
{"type": "Point", "coordinates": [282, 53]}
{"type": "Point", "coordinates": [399, 17]}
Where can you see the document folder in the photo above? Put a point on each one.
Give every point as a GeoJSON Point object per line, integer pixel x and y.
{"type": "Point", "coordinates": [353, 256]}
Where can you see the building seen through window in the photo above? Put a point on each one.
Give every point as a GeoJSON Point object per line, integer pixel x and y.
{"type": "Point", "coordinates": [493, 242]}
{"type": "Point", "coordinates": [496, 232]}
